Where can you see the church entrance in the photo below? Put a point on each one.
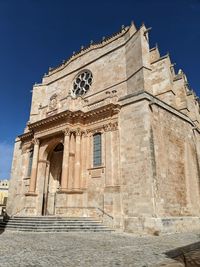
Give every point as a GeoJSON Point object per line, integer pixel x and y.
{"type": "Point", "coordinates": [53, 180]}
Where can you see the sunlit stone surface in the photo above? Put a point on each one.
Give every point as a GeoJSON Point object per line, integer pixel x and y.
{"type": "Point", "coordinates": [142, 174]}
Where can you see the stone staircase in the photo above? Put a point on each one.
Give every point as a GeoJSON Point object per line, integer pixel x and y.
{"type": "Point", "coordinates": [53, 224]}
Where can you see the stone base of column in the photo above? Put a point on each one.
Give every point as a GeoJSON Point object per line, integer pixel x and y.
{"type": "Point", "coordinates": [33, 194]}
{"type": "Point", "coordinates": [70, 191]}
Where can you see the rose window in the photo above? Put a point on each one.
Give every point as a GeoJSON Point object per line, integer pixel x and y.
{"type": "Point", "coordinates": [82, 83]}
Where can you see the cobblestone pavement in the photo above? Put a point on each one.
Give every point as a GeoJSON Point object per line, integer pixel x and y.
{"type": "Point", "coordinates": [87, 249]}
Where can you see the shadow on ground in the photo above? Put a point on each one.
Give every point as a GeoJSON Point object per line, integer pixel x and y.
{"type": "Point", "coordinates": [3, 222]}
{"type": "Point", "coordinates": [188, 256]}
{"type": "Point", "coordinates": [2, 226]}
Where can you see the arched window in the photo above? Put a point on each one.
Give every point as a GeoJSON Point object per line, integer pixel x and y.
{"type": "Point", "coordinates": [30, 163]}
{"type": "Point", "coordinates": [97, 158]}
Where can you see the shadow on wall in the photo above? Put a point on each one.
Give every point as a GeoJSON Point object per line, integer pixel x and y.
{"type": "Point", "coordinates": [188, 256]}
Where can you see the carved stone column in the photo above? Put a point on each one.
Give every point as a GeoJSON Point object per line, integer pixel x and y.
{"type": "Point", "coordinates": [33, 178]}
{"type": "Point", "coordinates": [71, 161]}
{"type": "Point", "coordinates": [84, 155]}
{"type": "Point", "coordinates": [65, 164]}
{"type": "Point", "coordinates": [89, 156]}
{"type": "Point", "coordinates": [115, 155]}
{"type": "Point", "coordinates": [108, 154]}
{"type": "Point", "coordinates": [77, 160]}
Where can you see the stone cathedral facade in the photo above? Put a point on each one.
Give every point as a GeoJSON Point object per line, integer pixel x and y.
{"type": "Point", "coordinates": [113, 133]}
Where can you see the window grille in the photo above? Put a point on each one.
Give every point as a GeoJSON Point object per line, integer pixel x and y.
{"type": "Point", "coordinates": [97, 158]}
{"type": "Point", "coordinates": [82, 83]}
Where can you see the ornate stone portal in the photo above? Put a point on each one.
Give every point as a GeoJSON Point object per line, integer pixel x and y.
{"type": "Point", "coordinates": [113, 133]}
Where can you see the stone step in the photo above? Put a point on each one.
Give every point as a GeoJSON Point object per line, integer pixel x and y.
{"type": "Point", "coordinates": [53, 224]}
{"type": "Point", "coordinates": [50, 227]}
{"type": "Point", "coordinates": [51, 218]}
{"type": "Point", "coordinates": [57, 230]}
{"type": "Point", "coordinates": [52, 221]}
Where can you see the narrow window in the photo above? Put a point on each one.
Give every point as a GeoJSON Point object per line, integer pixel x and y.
{"type": "Point", "coordinates": [30, 163]}
{"type": "Point", "coordinates": [97, 150]}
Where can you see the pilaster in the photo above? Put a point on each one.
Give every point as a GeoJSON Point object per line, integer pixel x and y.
{"type": "Point", "coordinates": [108, 155]}
{"type": "Point", "coordinates": [33, 178]}
{"type": "Point", "coordinates": [84, 158]}
{"type": "Point", "coordinates": [77, 170]}
{"type": "Point", "coordinates": [65, 164]}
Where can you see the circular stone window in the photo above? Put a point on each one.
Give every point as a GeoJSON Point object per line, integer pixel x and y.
{"type": "Point", "coordinates": [82, 83]}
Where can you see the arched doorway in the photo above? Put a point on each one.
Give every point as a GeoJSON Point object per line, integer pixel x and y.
{"type": "Point", "coordinates": [53, 179]}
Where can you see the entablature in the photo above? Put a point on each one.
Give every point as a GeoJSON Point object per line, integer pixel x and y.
{"type": "Point", "coordinates": [87, 120]}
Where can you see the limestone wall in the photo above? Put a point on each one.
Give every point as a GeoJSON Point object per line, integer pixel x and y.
{"type": "Point", "coordinates": [159, 167]}
{"type": "Point", "coordinates": [177, 175]}
{"type": "Point", "coordinates": [16, 196]}
{"type": "Point", "coordinates": [120, 65]}
{"type": "Point", "coordinates": [150, 171]}
{"type": "Point", "coordinates": [172, 88]}
{"type": "Point", "coordinates": [136, 166]}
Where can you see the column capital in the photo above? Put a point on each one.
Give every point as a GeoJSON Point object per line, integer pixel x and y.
{"type": "Point", "coordinates": [78, 131]}
{"type": "Point", "coordinates": [66, 132]}
{"type": "Point", "coordinates": [36, 141]}
{"type": "Point", "coordinates": [84, 133]}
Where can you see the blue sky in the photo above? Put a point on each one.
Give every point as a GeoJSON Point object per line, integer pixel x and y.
{"type": "Point", "coordinates": [37, 34]}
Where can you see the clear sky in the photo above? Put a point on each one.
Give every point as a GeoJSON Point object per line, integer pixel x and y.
{"type": "Point", "coordinates": [38, 34]}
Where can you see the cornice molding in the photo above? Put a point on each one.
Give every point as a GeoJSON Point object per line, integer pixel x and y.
{"type": "Point", "coordinates": [84, 51]}
{"type": "Point", "coordinates": [26, 136]}
{"type": "Point", "coordinates": [112, 108]}
{"type": "Point", "coordinates": [87, 49]}
{"type": "Point", "coordinates": [144, 95]}
{"type": "Point", "coordinates": [75, 117]}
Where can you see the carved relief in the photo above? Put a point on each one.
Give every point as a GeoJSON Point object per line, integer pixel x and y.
{"type": "Point", "coordinates": [53, 102]}
{"type": "Point", "coordinates": [52, 106]}
{"type": "Point", "coordinates": [111, 126]}
{"type": "Point", "coordinates": [96, 130]}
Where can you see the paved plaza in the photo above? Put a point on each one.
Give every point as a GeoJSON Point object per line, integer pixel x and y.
{"type": "Point", "coordinates": [88, 249]}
